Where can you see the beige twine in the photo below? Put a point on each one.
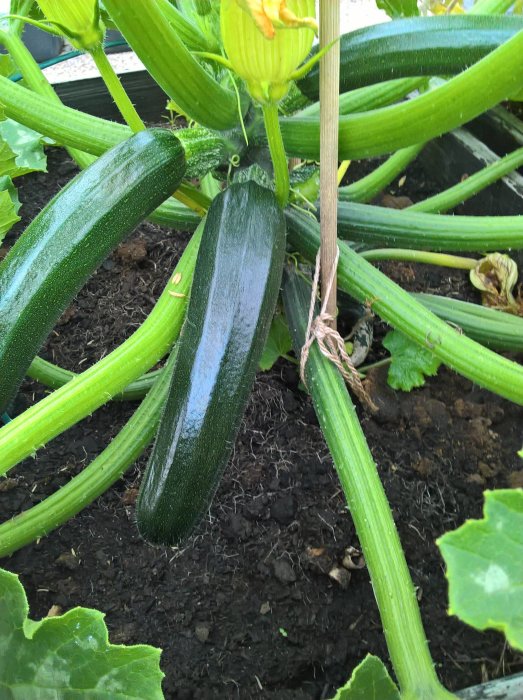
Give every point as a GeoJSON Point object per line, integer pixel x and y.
{"type": "Point", "coordinates": [330, 342]}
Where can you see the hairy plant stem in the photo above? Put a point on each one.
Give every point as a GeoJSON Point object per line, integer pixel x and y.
{"type": "Point", "coordinates": [369, 508]}
{"type": "Point", "coordinates": [97, 385]}
{"type": "Point", "coordinates": [361, 280]}
{"type": "Point", "coordinates": [473, 184]}
{"type": "Point", "coordinates": [54, 377]}
{"type": "Point", "coordinates": [368, 187]}
{"type": "Point", "coordinates": [116, 90]}
{"type": "Point", "coordinates": [420, 256]}
{"type": "Point", "coordinates": [36, 81]}
{"type": "Point", "coordinates": [279, 159]}
{"type": "Point", "coordinates": [94, 479]}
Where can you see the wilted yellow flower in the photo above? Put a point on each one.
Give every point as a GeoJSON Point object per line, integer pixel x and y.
{"type": "Point", "coordinates": [78, 19]}
{"type": "Point", "coordinates": [266, 41]}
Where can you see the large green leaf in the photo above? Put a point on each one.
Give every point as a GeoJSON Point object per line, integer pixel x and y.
{"type": "Point", "coordinates": [485, 566]}
{"type": "Point", "coordinates": [410, 363]}
{"type": "Point", "coordinates": [9, 206]}
{"type": "Point", "coordinates": [21, 149]}
{"type": "Point", "coordinates": [68, 657]}
{"type": "Point", "coordinates": [369, 681]}
{"type": "Point", "coordinates": [399, 8]}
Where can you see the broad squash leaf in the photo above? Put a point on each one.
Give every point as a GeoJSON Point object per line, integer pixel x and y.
{"type": "Point", "coordinates": [410, 362]}
{"type": "Point", "coordinates": [21, 149]}
{"type": "Point", "coordinates": [369, 681]}
{"type": "Point", "coordinates": [399, 8]}
{"type": "Point", "coordinates": [485, 566]}
{"type": "Point", "coordinates": [68, 656]}
{"type": "Point", "coordinates": [6, 65]}
{"type": "Point", "coordinates": [278, 343]}
{"type": "Point", "coordinates": [9, 206]}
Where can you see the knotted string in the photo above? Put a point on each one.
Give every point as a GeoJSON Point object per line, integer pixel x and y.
{"type": "Point", "coordinates": [330, 342]}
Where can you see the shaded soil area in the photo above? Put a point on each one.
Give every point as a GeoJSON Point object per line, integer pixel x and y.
{"type": "Point", "coordinates": [259, 604]}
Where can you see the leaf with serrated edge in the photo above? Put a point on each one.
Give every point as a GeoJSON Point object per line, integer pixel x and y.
{"type": "Point", "coordinates": [21, 149]}
{"type": "Point", "coordinates": [278, 343]}
{"type": "Point", "coordinates": [68, 656]}
{"type": "Point", "coordinates": [369, 681]}
{"type": "Point", "coordinates": [410, 363]}
{"type": "Point", "coordinates": [484, 561]}
{"type": "Point", "coordinates": [9, 206]}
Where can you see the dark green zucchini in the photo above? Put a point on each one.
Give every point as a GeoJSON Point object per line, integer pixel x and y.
{"type": "Point", "coordinates": [234, 292]}
{"type": "Point", "coordinates": [69, 239]}
{"type": "Point", "coordinates": [443, 45]}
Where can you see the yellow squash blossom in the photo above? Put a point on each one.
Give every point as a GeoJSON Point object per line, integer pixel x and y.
{"type": "Point", "coordinates": [260, 45]}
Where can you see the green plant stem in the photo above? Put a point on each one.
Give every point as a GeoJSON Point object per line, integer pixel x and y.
{"type": "Point", "coordinates": [361, 280]}
{"type": "Point", "coordinates": [473, 184]}
{"type": "Point", "coordinates": [495, 329]}
{"type": "Point", "coordinates": [369, 508]}
{"type": "Point", "coordinates": [374, 365]}
{"type": "Point", "coordinates": [279, 159]}
{"type": "Point", "coordinates": [369, 97]}
{"type": "Point", "coordinates": [94, 479]}
{"type": "Point", "coordinates": [420, 256]}
{"type": "Point", "coordinates": [54, 377]}
{"type": "Point", "coordinates": [368, 187]}
{"type": "Point", "coordinates": [402, 228]}
{"type": "Point", "coordinates": [97, 385]}
{"type": "Point", "coordinates": [116, 90]}
{"type": "Point", "coordinates": [171, 64]}
{"type": "Point", "coordinates": [483, 85]}
{"type": "Point", "coordinates": [37, 82]}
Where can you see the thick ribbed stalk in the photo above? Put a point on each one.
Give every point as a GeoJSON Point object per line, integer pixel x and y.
{"type": "Point", "coordinates": [420, 256]}
{"type": "Point", "coordinates": [171, 64]}
{"type": "Point", "coordinates": [55, 377]}
{"type": "Point", "coordinates": [37, 82]}
{"type": "Point", "coordinates": [369, 97]}
{"type": "Point", "coordinates": [366, 188]}
{"type": "Point", "coordinates": [473, 184]}
{"type": "Point", "coordinates": [279, 159]}
{"type": "Point", "coordinates": [370, 510]}
{"type": "Point", "coordinates": [361, 280]}
{"type": "Point", "coordinates": [402, 228]}
{"type": "Point", "coordinates": [483, 85]}
{"type": "Point", "coordinates": [94, 479]}
{"type": "Point", "coordinates": [116, 90]}
{"type": "Point", "coordinates": [97, 385]}
{"type": "Point", "coordinates": [495, 329]}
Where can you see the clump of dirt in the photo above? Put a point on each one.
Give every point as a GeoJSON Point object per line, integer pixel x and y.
{"type": "Point", "coordinates": [262, 602]}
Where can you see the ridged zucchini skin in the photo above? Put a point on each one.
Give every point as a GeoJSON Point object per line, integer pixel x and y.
{"type": "Point", "coordinates": [233, 297]}
{"type": "Point", "coordinates": [416, 46]}
{"type": "Point", "coordinates": [71, 236]}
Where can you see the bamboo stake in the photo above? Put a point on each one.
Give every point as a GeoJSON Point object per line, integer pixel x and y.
{"type": "Point", "coordinates": [329, 109]}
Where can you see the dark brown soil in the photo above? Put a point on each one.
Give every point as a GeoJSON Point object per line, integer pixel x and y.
{"type": "Point", "coordinates": [247, 609]}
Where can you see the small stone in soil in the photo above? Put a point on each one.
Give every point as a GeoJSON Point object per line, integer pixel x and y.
{"type": "Point", "coordinates": [68, 561]}
{"type": "Point", "coordinates": [283, 571]}
{"type": "Point", "coordinates": [201, 632]}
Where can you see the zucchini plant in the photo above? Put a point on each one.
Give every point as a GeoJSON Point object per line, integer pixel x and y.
{"type": "Point", "coordinates": [245, 75]}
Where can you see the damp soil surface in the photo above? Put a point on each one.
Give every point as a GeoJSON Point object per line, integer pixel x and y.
{"type": "Point", "coordinates": [258, 604]}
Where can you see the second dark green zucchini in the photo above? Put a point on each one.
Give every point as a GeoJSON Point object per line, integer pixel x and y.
{"type": "Point", "coordinates": [233, 297]}
{"type": "Point", "coordinates": [67, 241]}
{"type": "Point", "coordinates": [442, 45]}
